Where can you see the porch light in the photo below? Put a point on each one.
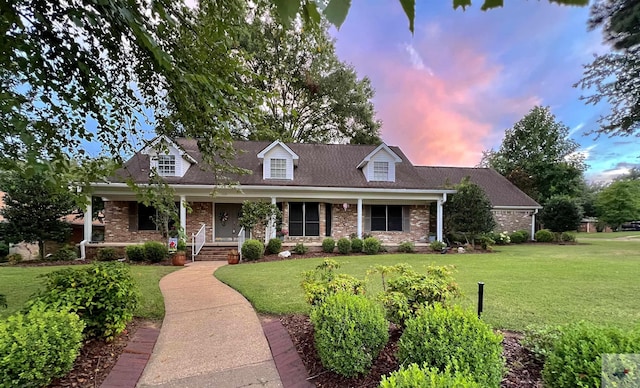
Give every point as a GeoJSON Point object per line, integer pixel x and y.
{"type": "Point", "coordinates": [345, 206]}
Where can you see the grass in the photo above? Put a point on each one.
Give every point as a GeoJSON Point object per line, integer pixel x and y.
{"type": "Point", "coordinates": [608, 235]}
{"type": "Point", "coordinates": [19, 283]}
{"type": "Point", "coordinates": [524, 284]}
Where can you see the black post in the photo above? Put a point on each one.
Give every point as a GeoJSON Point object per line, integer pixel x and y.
{"type": "Point", "coordinates": [480, 297]}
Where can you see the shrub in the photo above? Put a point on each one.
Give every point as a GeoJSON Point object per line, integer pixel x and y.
{"type": "Point", "coordinates": [410, 291]}
{"type": "Point", "coordinates": [252, 250]}
{"type": "Point", "coordinates": [274, 246]}
{"type": "Point", "coordinates": [486, 241]}
{"type": "Point", "coordinates": [349, 333]}
{"type": "Point", "coordinates": [344, 246]}
{"type": "Point", "coordinates": [107, 254]}
{"type": "Point", "coordinates": [135, 252]}
{"type": "Point", "coordinates": [38, 346]}
{"type": "Point", "coordinates": [526, 234]}
{"type": "Point", "coordinates": [300, 249]}
{"type": "Point", "coordinates": [323, 281]}
{"type": "Point", "coordinates": [328, 245]}
{"type": "Point", "coordinates": [14, 258]}
{"type": "Point", "coordinates": [356, 245]}
{"type": "Point", "coordinates": [4, 249]}
{"type": "Point", "coordinates": [406, 247]}
{"type": "Point", "coordinates": [371, 246]}
{"type": "Point", "coordinates": [437, 246]}
{"type": "Point", "coordinates": [568, 237]}
{"type": "Point", "coordinates": [575, 358]}
{"type": "Point", "coordinates": [456, 339]}
{"type": "Point", "coordinates": [155, 251]}
{"type": "Point", "coordinates": [544, 236]}
{"type": "Point", "coordinates": [539, 341]}
{"type": "Point", "coordinates": [517, 237]}
{"type": "Point", "coordinates": [413, 376]}
{"type": "Point", "coordinates": [501, 238]}
{"type": "Point", "coordinates": [66, 253]}
{"type": "Point", "coordinates": [104, 295]}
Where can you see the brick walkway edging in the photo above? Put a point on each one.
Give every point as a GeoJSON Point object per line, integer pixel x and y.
{"type": "Point", "coordinates": [133, 360]}
{"type": "Point", "coordinates": [292, 371]}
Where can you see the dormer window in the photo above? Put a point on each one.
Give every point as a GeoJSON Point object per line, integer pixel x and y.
{"type": "Point", "coordinates": [380, 171]}
{"type": "Point", "coordinates": [278, 168]}
{"type": "Point", "coordinates": [167, 165]}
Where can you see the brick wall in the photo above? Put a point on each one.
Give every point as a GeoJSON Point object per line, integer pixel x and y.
{"type": "Point", "coordinates": [419, 219]}
{"type": "Point", "coordinates": [201, 213]}
{"type": "Point", "coordinates": [116, 224]}
{"type": "Point", "coordinates": [512, 220]}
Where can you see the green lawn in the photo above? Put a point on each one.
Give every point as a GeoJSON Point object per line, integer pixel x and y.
{"type": "Point", "coordinates": [19, 283]}
{"type": "Point", "coordinates": [598, 281]}
{"type": "Point", "coordinates": [608, 235]}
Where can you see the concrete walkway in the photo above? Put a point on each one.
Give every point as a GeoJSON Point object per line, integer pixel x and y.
{"type": "Point", "coordinates": [210, 336]}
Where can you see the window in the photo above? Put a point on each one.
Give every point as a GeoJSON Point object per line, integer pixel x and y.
{"type": "Point", "coordinates": [279, 168]}
{"type": "Point", "coordinates": [386, 218]}
{"type": "Point", "coordinates": [380, 171]}
{"type": "Point", "coordinates": [146, 217]}
{"type": "Point", "coordinates": [167, 165]}
{"type": "Point", "coordinates": [304, 219]}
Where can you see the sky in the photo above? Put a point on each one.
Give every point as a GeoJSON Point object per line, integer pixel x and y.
{"type": "Point", "coordinates": [450, 90]}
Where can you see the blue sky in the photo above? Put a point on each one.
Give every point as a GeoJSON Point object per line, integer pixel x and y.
{"type": "Point", "coordinates": [450, 90]}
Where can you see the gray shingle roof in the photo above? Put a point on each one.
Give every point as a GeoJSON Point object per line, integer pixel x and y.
{"type": "Point", "coordinates": [500, 191]}
{"type": "Point", "coordinates": [331, 165]}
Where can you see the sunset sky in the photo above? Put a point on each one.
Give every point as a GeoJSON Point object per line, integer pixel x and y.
{"type": "Point", "coordinates": [450, 90]}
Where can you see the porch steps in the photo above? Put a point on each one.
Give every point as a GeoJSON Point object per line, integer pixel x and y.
{"type": "Point", "coordinates": [213, 253]}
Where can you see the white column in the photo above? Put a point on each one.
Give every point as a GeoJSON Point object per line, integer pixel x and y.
{"type": "Point", "coordinates": [88, 220]}
{"type": "Point", "coordinates": [183, 214]}
{"type": "Point", "coordinates": [272, 232]}
{"type": "Point", "coordinates": [359, 218]}
{"type": "Point", "coordinates": [439, 221]}
{"type": "Point", "coordinates": [213, 222]}
{"type": "Point", "coordinates": [533, 225]}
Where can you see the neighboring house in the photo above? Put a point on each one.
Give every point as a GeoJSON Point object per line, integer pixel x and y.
{"type": "Point", "coordinates": [323, 190]}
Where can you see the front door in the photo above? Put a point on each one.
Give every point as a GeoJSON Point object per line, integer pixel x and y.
{"type": "Point", "coordinates": [226, 219]}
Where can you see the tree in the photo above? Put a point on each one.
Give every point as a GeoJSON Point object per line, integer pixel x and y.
{"type": "Point", "coordinates": [613, 76]}
{"type": "Point", "coordinates": [538, 157]}
{"type": "Point", "coordinates": [308, 94]}
{"type": "Point", "coordinates": [619, 203]}
{"type": "Point", "coordinates": [258, 213]}
{"type": "Point", "coordinates": [561, 214]}
{"type": "Point", "coordinates": [633, 174]}
{"type": "Point", "coordinates": [468, 211]}
{"type": "Point", "coordinates": [34, 208]}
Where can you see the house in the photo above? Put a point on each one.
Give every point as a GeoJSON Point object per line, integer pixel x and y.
{"type": "Point", "coordinates": [323, 190]}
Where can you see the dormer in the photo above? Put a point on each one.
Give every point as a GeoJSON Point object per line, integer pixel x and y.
{"type": "Point", "coordinates": [167, 158]}
{"type": "Point", "coordinates": [278, 161]}
{"type": "Point", "coordinates": [380, 165]}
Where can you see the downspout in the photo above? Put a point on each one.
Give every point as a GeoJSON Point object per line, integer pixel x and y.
{"type": "Point", "coordinates": [533, 225]}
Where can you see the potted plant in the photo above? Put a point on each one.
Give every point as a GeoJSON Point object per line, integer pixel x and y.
{"type": "Point", "coordinates": [233, 257]}
{"type": "Point", "coordinates": [180, 257]}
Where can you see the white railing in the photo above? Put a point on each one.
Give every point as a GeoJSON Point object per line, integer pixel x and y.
{"type": "Point", "coordinates": [197, 241]}
{"type": "Point", "coordinates": [241, 239]}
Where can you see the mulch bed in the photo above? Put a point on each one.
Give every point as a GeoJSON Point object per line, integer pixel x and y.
{"type": "Point", "coordinates": [96, 359]}
{"type": "Point", "coordinates": [524, 371]}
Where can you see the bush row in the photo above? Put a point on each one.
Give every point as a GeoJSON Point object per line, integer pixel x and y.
{"type": "Point", "coordinates": [152, 251]}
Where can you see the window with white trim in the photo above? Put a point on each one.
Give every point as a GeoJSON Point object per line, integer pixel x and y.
{"type": "Point", "coordinates": [304, 219]}
{"type": "Point", "coordinates": [380, 171]}
{"type": "Point", "coordinates": [278, 168]}
{"type": "Point", "coordinates": [167, 165]}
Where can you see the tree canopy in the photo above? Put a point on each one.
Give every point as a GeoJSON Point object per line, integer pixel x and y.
{"type": "Point", "coordinates": [619, 202]}
{"type": "Point", "coordinates": [561, 214]}
{"type": "Point", "coordinates": [468, 211]}
{"type": "Point", "coordinates": [612, 77]}
{"type": "Point", "coordinates": [538, 157]}
{"type": "Point", "coordinates": [307, 93]}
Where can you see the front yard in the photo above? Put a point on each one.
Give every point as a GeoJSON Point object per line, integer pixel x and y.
{"type": "Point", "coordinates": [524, 284]}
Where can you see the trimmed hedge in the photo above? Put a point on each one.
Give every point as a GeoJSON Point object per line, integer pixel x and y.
{"type": "Point", "coordinates": [107, 254]}
{"type": "Point", "coordinates": [300, 249]}
{"type": "Point", "coordinates": [328, 245]}
{"type": "Point", "coordinates": [274, 246]}
{"type": "Point", "coordinates": [356, 245]}
{"type": "Point", "coordinates": [66, 253]}
{"type": "Point", "coordinates": [349, 333]}
{"type": "Point", "coordinates": [518, 237]}
{"type": "Point", "coordinates": [414, 376]}
{"type": "Point", "coordinates": [135, 253]}
{"type": "Point", "coordinates": [344, 246]}
{"type": "Point", "coordinates": [104, 295]}
{"type": "Point", "coordinates": [453, 339]}
{"type": "Point", "coordinates": [406, 247]}
{"type": "Point", "coordinates": [38, 346]}
{"type": "Point", "coordinates": [544, 235]}
{"type": "Point", "coordinates": [371, 246]}
{"type": "Point", "coordinates": [252, 250]}
{"type": "Point", "coordinates": [155, 251]}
